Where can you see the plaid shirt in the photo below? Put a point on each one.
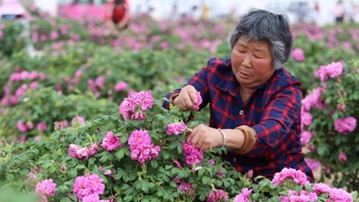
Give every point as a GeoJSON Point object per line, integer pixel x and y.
{"type": "Point", "coordinates": [273, 111]}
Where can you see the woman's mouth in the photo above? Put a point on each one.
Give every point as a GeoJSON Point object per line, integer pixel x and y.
{"type": "Point", "coordinates": [244, 75]}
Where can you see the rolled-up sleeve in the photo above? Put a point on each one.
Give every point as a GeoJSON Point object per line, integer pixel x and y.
{"type": "Point", "coordinates": [280, 114]}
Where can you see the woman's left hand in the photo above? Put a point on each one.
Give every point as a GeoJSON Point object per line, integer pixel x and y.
{"type": "Point", "coordinates": [204, 137]}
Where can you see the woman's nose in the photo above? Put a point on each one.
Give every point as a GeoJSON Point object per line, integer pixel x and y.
{"type": "Point", "coordinates": [246, 61]}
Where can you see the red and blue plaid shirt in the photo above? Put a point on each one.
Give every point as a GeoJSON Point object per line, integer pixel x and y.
{"type": "Point", "coordinates": [273, 111]}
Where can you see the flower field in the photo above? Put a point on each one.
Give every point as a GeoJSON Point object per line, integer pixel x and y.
{"type": "Point", "coordinates": [83, 120]}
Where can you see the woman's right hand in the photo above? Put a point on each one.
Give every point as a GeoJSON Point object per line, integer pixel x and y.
{"type": "Point", "coordinates": [186, 98]}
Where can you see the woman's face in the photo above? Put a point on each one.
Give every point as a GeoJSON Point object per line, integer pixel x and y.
{"type": "Point", "coordinates": [252, 62]}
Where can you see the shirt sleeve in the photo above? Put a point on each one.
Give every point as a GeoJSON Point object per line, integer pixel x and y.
{"type": "Point", "coordinates": [280, 114]}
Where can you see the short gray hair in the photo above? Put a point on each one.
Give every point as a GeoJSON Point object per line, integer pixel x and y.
{"type": "Point", "coordinates": [264, 25]}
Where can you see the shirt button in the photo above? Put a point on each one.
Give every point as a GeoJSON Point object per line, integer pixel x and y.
{"type": "Point", "coordinates": [234, 160]}
{"type": "Point", "coordinates": [240, 112]}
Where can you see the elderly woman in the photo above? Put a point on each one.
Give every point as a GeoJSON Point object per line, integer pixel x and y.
{"type": "Point", "coordinates": [255, 104]}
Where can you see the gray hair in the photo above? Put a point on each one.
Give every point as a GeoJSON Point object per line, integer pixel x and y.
{"type": "Point", "coordinates": [264, 25]}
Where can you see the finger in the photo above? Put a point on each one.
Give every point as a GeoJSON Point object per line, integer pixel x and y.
{"type": "Point", "coordinates": [194, 139]}
{"type": "Point", "coordinates": [187, 100]}
{"type": "Point", "coordinates": [192, 95]}
{"type": "Point", "coordinates": [189, 133]}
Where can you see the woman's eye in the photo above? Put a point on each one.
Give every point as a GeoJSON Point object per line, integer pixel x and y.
{"type": "Point", "coordinates": [256, 56]}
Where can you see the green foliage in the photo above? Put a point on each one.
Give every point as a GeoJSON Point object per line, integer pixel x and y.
{"type": "Point", "coordinates": [126, 179]}
{"type": "Point", "coordinates": [11, 37]}
{"type": "Point", "coordinates": [48, 106]}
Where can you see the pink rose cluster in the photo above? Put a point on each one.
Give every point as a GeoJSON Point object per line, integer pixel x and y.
{"type": "Point", "coordinates": [289, 173]}
{"type": "Point", "coordinates": [217, 195]}
{"type": "Point", "coordinates": [186, 188]}
{"type": "Point", "coordinates": [120, 86]}
{"type": "Point", "coordinates": [8, 98]}
{"type": "Point", "coordinates": [78, 120]}
{"type": "Point", "coordinates": [243, 196]}
{"type": "Point", "coordinates": [298, 55]}
{"type": "Point", "coordinates": [88, 187]}
{"type": "Point", "coordinates": [141, 147]}
{"type": "Point", "coordinates": [345, 126]}
{"type": "Point", "coordinates": [332, 70]}
{"type": "Point", "coordinates": [303, 196]}
{"type": "Point", "coordinates": [110, 141]}
{"type": "Point", "coordinates": [76, 151]}
{"type": "Point", "coordinates": [299, 178]}
{"type": "Point", "coordinates": [175, 128]}
{"type": "Point", "coordinates": [24, 127]}
{"type": "Point", "coordinates": [334, 194]}
{"type": "Point", "coordinates": [192, 155]}
{"type": "Point", "coordinates": [134, 106]}
{"type": "Point", "coordinates": [199, 101]}
{"type": "Point", "coordinates": [45, 188]}
{"type": "Point", "coordinates": [313, 99]}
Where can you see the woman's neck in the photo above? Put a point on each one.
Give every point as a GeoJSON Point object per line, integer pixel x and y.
{"type": "Point", "coordinates": [245, 92]}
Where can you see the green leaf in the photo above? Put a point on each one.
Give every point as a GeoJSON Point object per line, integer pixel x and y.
{"type": "Point", "coordinates": [144, 186]}
{"type": "Point", "coordinates": [154, 164]}
{"type": "Point", "coordinates": [120, 154]}
{"type": "Point", "coordinates": [128, 198]}
{"type": "Point", "coordinates": [65, 199]}
{"type": "Point", "coordinates": [206, 180]}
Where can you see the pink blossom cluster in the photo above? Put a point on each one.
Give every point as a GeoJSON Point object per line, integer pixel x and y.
{"type": "Point", "coordinates": [110, 141]}
{"type": "Point", "coordinates": [298, 55]}
{"type": "Point", "coordinates": [313, 99]}
{"type": "Point", "coordinates": [9, 98]}
{"type": "Point", "coordinates": [78, 120]}
{"type": "Point", "coordinates": [342, 157]}
{"type": "Point", "coordinates": [334, 194]}
{"type": "Point", "coordinates": [75, 151]}
{"type": "Point", "coordinates": [199, 101]}
{"type": "Point", "coordinates": [332, 70]}
{"type": "Point", "coordinates": [134, 106]}
{"type": "Point", "coordinates": [41, 126]}
{"type": "Point", "coordinates": [340, 195]}
{"type": "Point", "coordinates": [23, 127]}
{"type": "Point", "coordinates": [345, 126]}
{"type": "Point", "coordinates": [243, 196]}
{"type": "Point", "coordinates": [141, 146]}
{"type": "Point", "coordinates": [305, 137]}
{"type": "Point", "coordinates": [25, 75]}
{"type": "Point", "coordinates": [217, 195]}
{"type": "Point", "coordinates": [192, 155]}
{"type": "Point", "coordinates": [93, 198]}
{"type": "Point", "coordinates": [60, 125]}
{"type": "Point", "coordinates": [120, 86]}
{"type": "Point", "coordinates": [186, 188]}
{"type": "Point", "coordinates": [306, 118]}
{"type": "Point", "coordinates": [296, 176]}
{"type": "Point", "coordinates": [175, 128]}
{"type": "Point", "coordinates": [96, 85]}
{"type": "Point", "coordinates": [303, 196]}
{"type": "Point", "coordinates": [313, 164]}
{"type": "Point", "coordinates": [85, 186]}
{"type": "Point", "coordinates": [45, 188]}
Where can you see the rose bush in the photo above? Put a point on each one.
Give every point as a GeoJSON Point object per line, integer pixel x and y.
{"type": "Point", "coordinates": [10, 42]}
{"type": "Point", "coordinates": [37, 109]}
{"type": "Point", "coordinates": [329, 120]}
{"type": "Point", "coordinates": [141, 155]}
